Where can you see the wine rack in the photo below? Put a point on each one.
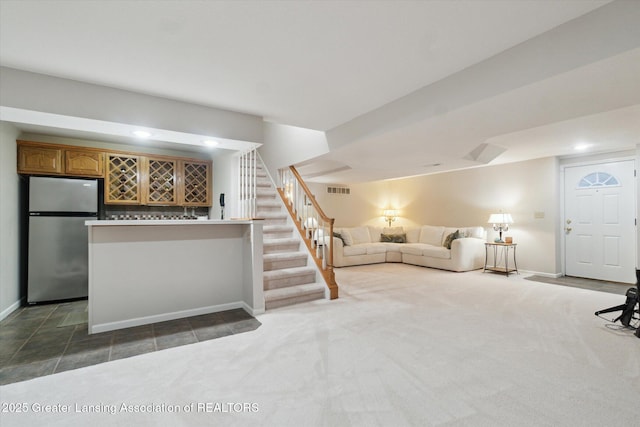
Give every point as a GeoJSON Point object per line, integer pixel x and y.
{"type": "Point", "coordinates": [196, 190]}
{"type": "Point", "coordinates": [162, 182]}
{"type": "Point", "coordinates": [123, 179]}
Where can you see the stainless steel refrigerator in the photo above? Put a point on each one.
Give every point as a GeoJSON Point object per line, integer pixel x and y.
{"type": "Point", "coordinates": [57, 247]}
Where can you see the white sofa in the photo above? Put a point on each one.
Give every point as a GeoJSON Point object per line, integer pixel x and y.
{"type": "Point", "coordinates": [425, 246]}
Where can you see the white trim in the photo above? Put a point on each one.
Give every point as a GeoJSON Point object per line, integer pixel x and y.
{"type": "Point", "coordinates": [7, 311]}
{"type": "Point", "coordinates": [539, 273]}
{"type": "Point", "coordinates": [129, 323]}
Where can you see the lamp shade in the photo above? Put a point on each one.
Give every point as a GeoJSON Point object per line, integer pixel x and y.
{"type": "Point", "coordinates": [500, 218]}
{"type": "Point", "coordinates": [389, 212]}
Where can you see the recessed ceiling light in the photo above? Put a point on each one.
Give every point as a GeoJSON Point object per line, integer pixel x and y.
{"type": "Point", "coordinates": [581, 146]}
{"type": "Point", "coordinates": [210, 142]}
{"type": "Point", "coordinates": [141, 133]}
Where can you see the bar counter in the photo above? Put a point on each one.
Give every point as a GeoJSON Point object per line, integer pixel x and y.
{"type": "Point", "coordinates": [148, 271]}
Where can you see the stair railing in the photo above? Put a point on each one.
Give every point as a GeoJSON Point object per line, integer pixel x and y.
{"type": "Point", "coordinates": [247, 184]}
{"type": "Point", "coordinates": [314, 226]}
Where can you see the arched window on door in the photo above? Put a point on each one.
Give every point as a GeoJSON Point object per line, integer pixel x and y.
{"type": "Point", "coordinates": [598, 179]}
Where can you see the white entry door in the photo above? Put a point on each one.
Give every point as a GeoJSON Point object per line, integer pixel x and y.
{"type": "Point", "coordinates": [599, 222]}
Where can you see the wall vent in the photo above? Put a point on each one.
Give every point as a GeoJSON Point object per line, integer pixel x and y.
{"type": "Point", "coordinates": [338, 190]}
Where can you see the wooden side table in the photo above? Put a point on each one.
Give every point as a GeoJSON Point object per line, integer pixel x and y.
{"type": "Point", "coordinates": [505, 252]}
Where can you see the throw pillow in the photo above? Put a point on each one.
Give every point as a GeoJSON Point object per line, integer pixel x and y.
{"type": "Point", "coordinates": [393, 238]}
{"type": "Point", "coordinates": [339, 236]}
{"type": "Point", "coordinates": [451, 237]}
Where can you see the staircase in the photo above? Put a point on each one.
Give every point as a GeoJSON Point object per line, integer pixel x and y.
{"type": "Point", "coordinates": [288, 279]}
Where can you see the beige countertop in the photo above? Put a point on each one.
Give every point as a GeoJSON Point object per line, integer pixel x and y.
{"type": "Point", "coordinates": [127, 222]}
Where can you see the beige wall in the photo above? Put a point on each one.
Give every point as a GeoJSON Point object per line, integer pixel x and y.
{"type": "Point", "coordinates": [466, 198]}
{"type": "Point", "coordinates": [9, 221]}
{"type": "Point", "coordinates": [288, 145]}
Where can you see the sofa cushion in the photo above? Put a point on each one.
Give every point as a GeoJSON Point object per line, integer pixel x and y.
{"type": "Point", "coordinates": [355, 250]}
{"type": "Point", "coordinates": [414, 249]}
{"type": "Point", "coordinates": [374, 233]}
{"type": "Point", "coordinates": [431, 235]}
{"type": "Point", "coordinates": [376, 248]}
{"type": "Point", "coordinates": [437, 252]}
{"type": "Point", "coordinates": [360, 235]}
{"type": "Point", "coordinates": [413, 235]}
{"type": "Point", "coordinates": [392, 247]}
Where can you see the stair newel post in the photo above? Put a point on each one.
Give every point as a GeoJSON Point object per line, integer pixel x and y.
{"type": "Point", "coordinates": [325, 242]}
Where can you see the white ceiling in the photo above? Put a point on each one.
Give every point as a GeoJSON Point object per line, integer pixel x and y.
{"type": "Point", "coordinates": [324, 64]}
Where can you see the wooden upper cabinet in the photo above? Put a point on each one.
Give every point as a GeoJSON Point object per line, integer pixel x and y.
{"type": "Point", "coordinates": [122, 180]}
{"type": "Point", "coordinates": [83, 163]}
{"type": "Point", "coordinates": [130, 178]}
{"type": "Point", "coordinates": [161, 181]}
{"type": "Point", "coordinates": [39, 160]}
{"type": "Point", "coordinates": [195, 185]}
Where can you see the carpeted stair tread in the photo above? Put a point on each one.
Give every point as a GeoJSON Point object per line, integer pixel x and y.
{"type": "Point", "coordinates": [276, 228]}
{"type": "Point", "coordinates": [268, 203]}
{"type": "Point", "coordinates": [284, 256]}
{"type": "Point", "coordinates": [274, 215]}
{"type": "Point", "coordinates": [287, 273]}
{"type": "Point", "coordinates": [265, 193]}
{"type": "Point", "coordinates": [294, 291]}
{"type": "Point", "coordinates": [281, 241]}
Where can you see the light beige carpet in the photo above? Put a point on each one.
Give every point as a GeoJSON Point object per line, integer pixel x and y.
{"type": "Point", "coordinates": [403, 346]}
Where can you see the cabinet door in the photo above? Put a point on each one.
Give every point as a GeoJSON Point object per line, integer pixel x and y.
{"type": "Point", "coordinates": [122, 180]}
{"type": "Point", "coordinates": [196, 183]}
{"type": "Point", "coordinates": [39, 160]}
{"type": "Point", "coordinates": [83, 163]}
{"type": "Point", "coordinates": [161, 187]}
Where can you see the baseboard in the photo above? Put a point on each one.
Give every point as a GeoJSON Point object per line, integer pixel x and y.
{"type": "Point", "coordinates": [129, 323]}
{"type": "Point", "coordinates": [539, 273]}
{"type": "Point", "coordinates": [251, 311]}
{"type": "Point", "coordinates": [7, 311]}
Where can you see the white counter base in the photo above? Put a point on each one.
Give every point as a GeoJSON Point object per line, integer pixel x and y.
{"type": "Point", "coordinates": [143, 272]}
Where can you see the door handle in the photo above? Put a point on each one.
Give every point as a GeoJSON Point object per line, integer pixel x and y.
{"type": "Point", "coordinates": [568, 230]}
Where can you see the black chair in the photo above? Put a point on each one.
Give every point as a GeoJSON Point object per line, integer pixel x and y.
{"type": "Point", "coordinates": [628, 308]}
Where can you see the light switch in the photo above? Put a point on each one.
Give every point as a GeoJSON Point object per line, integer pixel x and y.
{"type": "Point", "coordinates": [538, 215]}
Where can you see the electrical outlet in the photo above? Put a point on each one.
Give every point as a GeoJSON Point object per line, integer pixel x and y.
{"type": "Point", "coordinates": [538, 215]}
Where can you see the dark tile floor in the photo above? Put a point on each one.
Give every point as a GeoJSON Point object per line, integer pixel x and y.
{"type": "Point", "coordinates": [579, 282]}
{"type": "Point", "coordinates": [33, 343]}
